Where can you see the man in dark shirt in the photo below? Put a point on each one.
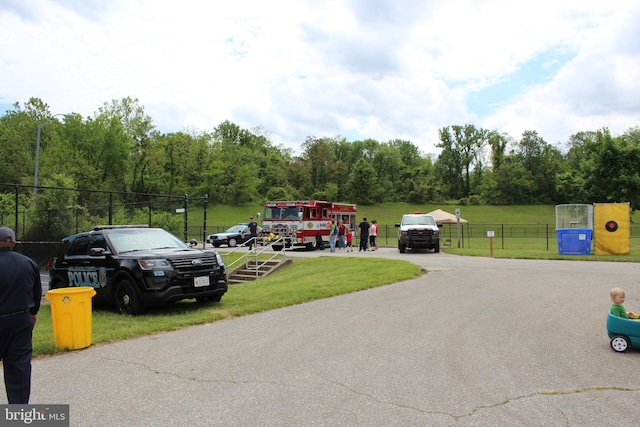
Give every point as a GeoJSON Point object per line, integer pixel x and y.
{"type": "Point", "coordinates": [364, 235]}
{"type": "Point", "coordinates": [253, 231]}
{"type": "Point", "coordinates": [20, 294]}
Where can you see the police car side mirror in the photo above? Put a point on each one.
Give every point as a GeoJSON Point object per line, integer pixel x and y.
{"type": "Point", "coordinates": [397, 225]}
{"type": "Point", "coordinates": [98, 252]}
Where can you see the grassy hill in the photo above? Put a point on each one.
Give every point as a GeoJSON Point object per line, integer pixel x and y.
{"type": "Point", "coordinates": [391, 213]}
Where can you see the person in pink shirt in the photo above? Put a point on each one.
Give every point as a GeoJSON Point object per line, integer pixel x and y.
{"type": "Point", "coordinates": [373, 235]}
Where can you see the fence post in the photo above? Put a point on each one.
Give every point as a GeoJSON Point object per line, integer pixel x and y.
{"type": "Point", "coordinates": [110, 207]}
{"type": "Point", "coordinates": [204, 223]}
{"type": "Point", "coordinates": [547, 226]}
{"type": "Point", "coordinates": [16, 204]}
{"type": "Point", "coordinates": [186, 221]}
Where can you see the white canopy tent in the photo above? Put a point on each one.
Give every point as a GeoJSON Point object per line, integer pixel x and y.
{"type": "Point", "coordinates": [443, 217]}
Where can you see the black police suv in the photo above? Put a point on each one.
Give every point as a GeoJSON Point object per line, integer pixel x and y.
{"type": "Point", "coordinates": [136, 266]}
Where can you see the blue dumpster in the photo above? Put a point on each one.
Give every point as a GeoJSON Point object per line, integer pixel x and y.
{"type": "Point", "coordinates": [574, 241]}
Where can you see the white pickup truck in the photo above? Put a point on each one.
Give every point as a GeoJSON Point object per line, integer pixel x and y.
{"type": "Point", "coordinates": [418, 231]}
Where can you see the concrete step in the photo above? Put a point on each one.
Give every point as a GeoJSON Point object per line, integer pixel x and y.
{"type": "Point", "coordinates": [247, 274]}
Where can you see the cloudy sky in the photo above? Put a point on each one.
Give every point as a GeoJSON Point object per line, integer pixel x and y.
{"type": "Point", "coordinates": [380, 69]}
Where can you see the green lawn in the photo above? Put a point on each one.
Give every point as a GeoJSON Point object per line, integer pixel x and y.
{"type": "Point", "coordinates": [302, 281]}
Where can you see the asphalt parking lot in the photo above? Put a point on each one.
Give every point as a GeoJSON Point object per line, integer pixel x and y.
{"type": "Point", "coordinates": [474, 342]}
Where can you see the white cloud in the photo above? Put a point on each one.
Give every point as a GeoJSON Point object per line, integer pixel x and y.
{"type": "Point", "coordinates": [380, 69]}
{"type": "Point", "coordinates": [599, 88]}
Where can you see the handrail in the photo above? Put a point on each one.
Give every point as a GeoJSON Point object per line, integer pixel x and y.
{"type": "Point", "coordinates": [255, 253]}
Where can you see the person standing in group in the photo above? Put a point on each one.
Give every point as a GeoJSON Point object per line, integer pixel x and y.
{"type": "Point", "coordinates": [253, 231]}
{"type": "Point", "coordinates": [333, 233]}
{"type": "Point", "coordinates": [20, 294]}
{"type": "Point", "coordinates": [364, 234]}
{"type": "Point", "coordinates": [373, 235]}
{"type": "Point", "coordinates": [342, 231]}
{"type": "Point", "coordinates": [349, 241]}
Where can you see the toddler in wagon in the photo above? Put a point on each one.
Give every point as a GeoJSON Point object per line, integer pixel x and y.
{"type": "Point", "coordinates": [617, 309]}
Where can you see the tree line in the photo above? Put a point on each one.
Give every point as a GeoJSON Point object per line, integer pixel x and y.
{"type": "Point", "coordinates": [119, 149]}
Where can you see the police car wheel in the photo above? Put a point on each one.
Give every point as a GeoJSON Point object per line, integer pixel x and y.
{"type": "Point", "coordinates": [126, 298]}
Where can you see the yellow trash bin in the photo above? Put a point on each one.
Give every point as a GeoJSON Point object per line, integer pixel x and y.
{"type": "Point", "coordinates": [71, 316]}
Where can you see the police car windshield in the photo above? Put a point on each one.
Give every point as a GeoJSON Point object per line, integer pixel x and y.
{"type": "Point", "coordinates": [142, 240]}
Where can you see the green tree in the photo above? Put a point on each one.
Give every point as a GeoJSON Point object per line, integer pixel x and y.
{"type": "Point", "coordinates": [298, 177]}
{"type": "Point", "coordinates": [232, 177]}
{"type": "Point", "coordinates": [278, 193]}
{"type": "Point", "coordinates": [137, 126]}
{"type": "Point", "coordinates": [18, 136]}
{"type": "Point", "coordinates": [542, 163]}
{"type": "Point", "coordinates": [55, 214]}
{"type": "Point", "coordinates": [414, 180]}
{"type": "Point", "coordinates": [462, 147]}
{"type": "Point", "coordinates": [511, 184]}
{"type": "Point", "coordinates": [362, 183]}
{"type": "Point", "coordinates": [317, 153]}
{"type": "Point", "coordinates": [449, 165]}
{"type": "Point", "coordinates": [178, 163]}
{"type": "Point", "coordinates": [387, 164]}
{"type": "Point", "coordinates": [612, 171]}
{"type": "Point", "coordinates": [498, 143]}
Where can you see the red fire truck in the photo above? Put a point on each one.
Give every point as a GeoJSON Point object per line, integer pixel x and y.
{"type": "Point", "coordinates": [300, 222]}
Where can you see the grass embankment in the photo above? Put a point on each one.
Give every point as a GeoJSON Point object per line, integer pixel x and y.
{"type": "Point", "coordinates": [302, 281]}
{"type": "Point", "coordinates": [390, 213]}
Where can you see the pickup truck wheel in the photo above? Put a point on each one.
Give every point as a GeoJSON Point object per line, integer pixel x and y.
{"type": "Point", "coordinates": [436, 248]}
{"type": "Point", "coordinates": [277, 248]}
{"type": "Point", "coordinates": [127, 299]}
{"type": "Point", "coordinates": [619, 343]}
{"type": "Point", "coordinates": [402, 247]}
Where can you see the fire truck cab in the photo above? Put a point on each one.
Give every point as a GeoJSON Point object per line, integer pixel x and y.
{"type": "Point", "coordinates": [301, 223]}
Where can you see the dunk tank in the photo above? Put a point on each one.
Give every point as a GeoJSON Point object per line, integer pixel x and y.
{"type": "Point", "coordinates": [574, 229]}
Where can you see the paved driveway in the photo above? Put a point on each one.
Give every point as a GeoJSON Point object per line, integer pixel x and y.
{"type": "Point", "coordinates": [476, 341]}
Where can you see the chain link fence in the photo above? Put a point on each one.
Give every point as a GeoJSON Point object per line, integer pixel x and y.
{"type": "Point", "coordinates": [42, 216]}
{"type": "Point", "coordinates": [538, 236]}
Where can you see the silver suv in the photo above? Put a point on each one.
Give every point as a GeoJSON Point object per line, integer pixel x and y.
{"type": "Point", "coordinates": [418, 231]}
